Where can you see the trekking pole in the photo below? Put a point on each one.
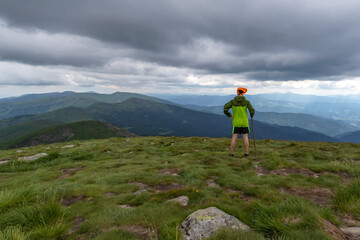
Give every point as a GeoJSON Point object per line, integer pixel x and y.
{"type": "Point", "coordinates": [252, 126]}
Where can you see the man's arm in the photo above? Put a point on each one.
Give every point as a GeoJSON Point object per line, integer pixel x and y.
{"type": "Point", "coordinates": [251, 109]}
{"type": "Point", "coordinates": [227, 108]}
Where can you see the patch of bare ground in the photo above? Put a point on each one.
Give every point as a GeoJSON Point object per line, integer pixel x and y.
{"type": "Point", "coordinates": [349, 221]}
{"type": "Point", "coordinates": [143, 187]}
{"type": "Point", "coordinates": [260, 170]}
{"type": "Point", "coordinates": [69, 171]}
{"type": "Point", "coordinates": [157, 188]}
{"type": "Point", "coordinates": [140, 231]}
{"type": "Point", "coordinates": [109, 194]}
{"type": "Point", "coordinates": [77, 221]}
{"type": "Point", "coordinates": [4, 160]}
{"type": "Point", "coordinates": [167, 187]}
{"type": "Point", "coordinates": [212, 183]}
{"type": "Point", "coordinates": [170, 171]}
{"type": "Point", "coordinates": [333, 231]}
{"type": "Point", "coordinates": [70, 200]}
{"type": "Point", "coordinates": [111, 228]}
{"type": "Point", "coordinates": [290, 171]}
{"type": "Point", "coordinates": [140, 185]}
{"type": "Point", "coordinates": [239, 194]}
{"type": "Point", "coordinates": [320, 196]}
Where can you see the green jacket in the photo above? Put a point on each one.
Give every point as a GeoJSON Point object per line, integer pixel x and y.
{"type": "Point", "coordinates": [239, 107]}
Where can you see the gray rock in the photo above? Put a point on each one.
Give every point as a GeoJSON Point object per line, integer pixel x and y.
{"type": "Point", "coordinates": [205, 222]}
{"type": "Point", "coordinates": [125, 206]}
{"type": "Point", "coordinates": [68, 146]}
{"type": "Point", "coordinates": [140, 191]}
{"type": "Point", "coordinates": [212, 183]}
{"type": "Point", "coordinates": [183, 200]}
{"type": "Point", "coordinates": [32, 158]}
{"type": "Point", "coordinates": [352, 232]}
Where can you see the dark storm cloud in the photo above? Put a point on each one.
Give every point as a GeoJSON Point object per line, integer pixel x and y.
{"type": "Point", "coordinates": [263, 40]}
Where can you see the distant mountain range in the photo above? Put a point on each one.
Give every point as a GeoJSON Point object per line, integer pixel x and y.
{"type": "Point", "coordinates": [309, 122]}
{"type": "Point", "coordinates": [350, 137]}
{"type": "Point", "coordinates": [146, 117]}
{"type": "Point", "coordinates": [41, 103]}
{"type": "Point", "coordinates": [335, 107]}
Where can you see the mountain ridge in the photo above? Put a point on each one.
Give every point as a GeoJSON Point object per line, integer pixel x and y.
{"type": "Point", "coordinates": [147, 118]}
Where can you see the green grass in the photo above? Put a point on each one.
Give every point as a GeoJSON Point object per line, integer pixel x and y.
{"type": "Point", "coordinates": [347, 198]}
{"type": "Point", "coordinates": [41, 200]}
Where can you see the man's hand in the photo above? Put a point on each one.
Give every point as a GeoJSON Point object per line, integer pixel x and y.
{"type": "Point", "coordinates": [230, 117]}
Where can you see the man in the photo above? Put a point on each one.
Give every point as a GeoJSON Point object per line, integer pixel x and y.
{"type": "Point", "coordinates": [240, 120]}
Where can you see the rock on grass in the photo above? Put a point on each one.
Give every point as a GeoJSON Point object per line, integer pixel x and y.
{"type": "Point", "coordinates": [205, 222]}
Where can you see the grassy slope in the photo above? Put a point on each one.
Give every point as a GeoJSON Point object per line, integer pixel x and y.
{"type": "Point", "coordinates": [31, 193]}
{"type": "Point", "coordinates": [23, 129]}
{"type": "Point", "coordinates": [80, 131]}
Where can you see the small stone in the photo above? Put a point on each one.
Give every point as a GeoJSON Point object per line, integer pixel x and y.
{"type": "Point", "coordinates": [212, 183]}
{"type": "Point", "coordinates": [4, 161]}
{"type": "Point", "coordinates": [20, 151]}
{"type": "Point", "coordinates": [124, 206]}
{"type": "Point", "coordinates": [32, 158]}
{"type": "Point", "coordinates": [68, 146]}
{"type": "Point", "coordinates": [183, 200]}
{"type": "Point", "coordinates": [140, 191]}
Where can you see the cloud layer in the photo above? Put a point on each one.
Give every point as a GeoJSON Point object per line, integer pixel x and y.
{"type": "Point", "coordinates": [162, 43]}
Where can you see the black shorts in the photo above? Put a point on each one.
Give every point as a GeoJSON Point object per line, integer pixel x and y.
{"type": "Point", "coordinates": [240, 130]}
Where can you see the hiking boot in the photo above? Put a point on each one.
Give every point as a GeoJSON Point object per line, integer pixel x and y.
{"type": "Point", "coordinates": [231, 155]}
{"type": "Point", "coordinates": [246, 155]}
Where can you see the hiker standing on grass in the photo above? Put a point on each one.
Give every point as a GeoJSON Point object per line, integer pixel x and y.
{"type": "Point", "coordinates": [240, 120]}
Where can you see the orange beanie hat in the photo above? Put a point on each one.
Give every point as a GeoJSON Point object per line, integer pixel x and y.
{"type": "Point", "coordinates": [241, 91]}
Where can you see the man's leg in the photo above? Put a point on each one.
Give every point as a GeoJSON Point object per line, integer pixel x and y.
{"type": "Point", "coordinates": [246, 143]}
{"type": "Point", "coordinates": [233, 142]}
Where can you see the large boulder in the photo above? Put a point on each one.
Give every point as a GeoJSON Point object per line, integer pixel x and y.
{"type": "Point", "coordinates": [203, 223]}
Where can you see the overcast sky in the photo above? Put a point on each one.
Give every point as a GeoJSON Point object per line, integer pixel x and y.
{"type": "Point", "coordinates": [183, 46]}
